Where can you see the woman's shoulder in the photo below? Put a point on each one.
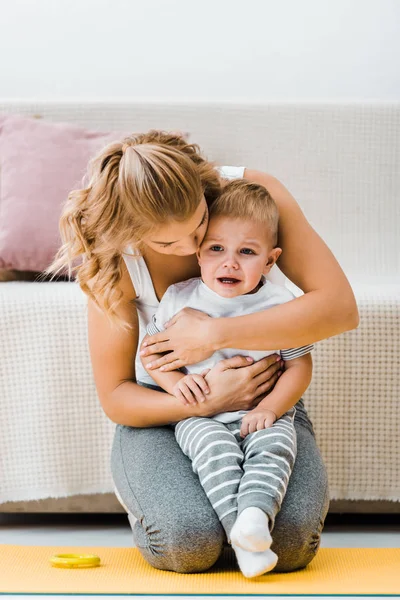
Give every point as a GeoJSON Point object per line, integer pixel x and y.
{"type": "Point", "coordinates": [124, 284]}
{"type": "Point", "coordinates": [283, 198]}
{"type": "Point", "coordinates": [261, 177]}
{"type": "Point", "coordinates": [273, 185]}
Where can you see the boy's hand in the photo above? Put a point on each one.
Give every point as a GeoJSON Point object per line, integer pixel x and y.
{"type": "Point", "coordinates": [191, 389]}
{"type": "Point", "coordinates": [257, 419]}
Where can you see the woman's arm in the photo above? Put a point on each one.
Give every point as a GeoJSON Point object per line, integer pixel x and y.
{"type": "Point", "coordinates": [112, 353]}
{"type": "Point", "coordinates": [328, 306]}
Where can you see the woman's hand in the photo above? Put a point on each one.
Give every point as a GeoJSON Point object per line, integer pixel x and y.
{"type": "Point", "coordinates": [187, 339]}
{"type": "Point", "coordinates": [236, 384]}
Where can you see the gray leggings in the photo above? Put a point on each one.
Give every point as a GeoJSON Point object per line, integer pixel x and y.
{"type": "Point", "coordinates": [237, 473]}
{"type": "Point", "coordinates": [177, 528]}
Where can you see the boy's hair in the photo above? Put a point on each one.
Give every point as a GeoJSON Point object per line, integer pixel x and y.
{"type": "Point", "coordinates": [132, 186]}
{"type": "Point", "coordinates": [241, 199]}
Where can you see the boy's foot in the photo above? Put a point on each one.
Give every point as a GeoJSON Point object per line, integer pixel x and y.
{"type": "Point", "coordinates": [251, 530]}
{"type": "Point", "coordinates": [253, 564]}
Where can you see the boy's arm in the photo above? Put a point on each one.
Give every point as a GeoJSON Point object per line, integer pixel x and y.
{"type": "Point", "coordinates": [166, 380]}
{"type": "Point", "coordinates": [290, 386]}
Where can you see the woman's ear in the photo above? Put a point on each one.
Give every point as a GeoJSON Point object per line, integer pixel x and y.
{"type": "Point", "coordinates": [272, 258]}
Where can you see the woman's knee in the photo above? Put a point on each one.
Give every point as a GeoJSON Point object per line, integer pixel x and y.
{"type": "Point", "coordinates": [297, 552]}
{"type": "Point", "coordinates": [299, 523]}
{"type": "Point", "coordinates": [297, 542]}
{"type": "Point", "coordinates": [176, 528]}
{"type": "Point", "coordinates": [182, 547]}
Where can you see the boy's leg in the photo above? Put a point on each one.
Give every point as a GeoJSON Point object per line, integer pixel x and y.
{"type": "Point", "coordinates": [269, 456]}
{"type": "Point", "coordinates": [216, 459]}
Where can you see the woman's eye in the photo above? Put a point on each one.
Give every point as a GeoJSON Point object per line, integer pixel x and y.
{"type": "Point", "coordinates": [247, 251]}
{"type": "Point", "coordinates": [216, 248]}
{"type": "Point", "coordinates": [166, 245]}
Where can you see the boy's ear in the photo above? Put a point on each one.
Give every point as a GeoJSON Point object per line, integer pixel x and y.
{"type": "Point", "coordinates": [272, 258]}
{"type": "Point", "coordinates": [198, 256]}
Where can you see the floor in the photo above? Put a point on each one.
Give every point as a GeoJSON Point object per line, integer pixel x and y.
{"type": "Point", "coordinates": [369, 530]}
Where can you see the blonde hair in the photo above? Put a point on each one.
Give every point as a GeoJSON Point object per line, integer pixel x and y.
{"type": "Point", "coordinates": [241, 199]}
{"type": "Point", "coordinates": [133, 185]}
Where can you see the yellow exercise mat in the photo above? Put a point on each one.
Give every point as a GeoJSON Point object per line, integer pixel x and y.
{"type": "Point", "coordinates": [334, 571]}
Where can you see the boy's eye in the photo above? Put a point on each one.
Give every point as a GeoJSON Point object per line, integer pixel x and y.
{"type": "Point", "coordinates": [247, 251]}
{"type": "Point", "coordinates": [216, 248]}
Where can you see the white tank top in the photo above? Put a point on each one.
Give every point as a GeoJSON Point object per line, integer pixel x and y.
{"type": "Point", "coordinates": [146, 299]}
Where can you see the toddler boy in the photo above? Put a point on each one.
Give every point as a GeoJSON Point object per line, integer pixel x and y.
{"type": "Point", "coordinates": [243, 459]}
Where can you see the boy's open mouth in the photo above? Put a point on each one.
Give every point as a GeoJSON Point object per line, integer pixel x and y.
{"type": "Point", "coordinates": [228, 280]}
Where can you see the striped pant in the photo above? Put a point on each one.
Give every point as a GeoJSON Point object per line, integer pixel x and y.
{"type": "Point", "coordinates": [237, 473]}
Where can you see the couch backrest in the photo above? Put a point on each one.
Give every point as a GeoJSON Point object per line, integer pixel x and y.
{"type": "Point", "coordinates": [340, 161]}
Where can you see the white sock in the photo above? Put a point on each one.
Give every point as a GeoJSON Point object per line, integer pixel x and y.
{"type": "Point", "coordinates": [251, 530]}
{"type": "Point", "coordinates": [253, 564]}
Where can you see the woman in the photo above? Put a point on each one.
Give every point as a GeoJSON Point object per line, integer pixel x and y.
{"type": "Point", "coordinates": [137, 226]}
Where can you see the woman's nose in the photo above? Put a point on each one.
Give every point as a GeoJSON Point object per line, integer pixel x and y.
{"type": "Point", "coordinates": [192, 245]}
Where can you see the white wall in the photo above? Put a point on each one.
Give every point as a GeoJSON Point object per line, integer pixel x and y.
{"type": "Point", "coordinates": [204, 49]}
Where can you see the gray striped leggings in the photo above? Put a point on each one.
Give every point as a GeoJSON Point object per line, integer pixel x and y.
{"type": "Point", "coordinates": [237, 472]}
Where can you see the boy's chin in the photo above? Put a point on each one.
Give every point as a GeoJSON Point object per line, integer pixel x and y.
{"type": "Point", "coordinates": [228, 290]}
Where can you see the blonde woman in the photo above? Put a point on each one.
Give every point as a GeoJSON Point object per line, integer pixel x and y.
{"type": "Point", "coordinates": [129, 235]}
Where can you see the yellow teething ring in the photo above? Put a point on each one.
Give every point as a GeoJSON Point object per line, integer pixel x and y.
{"type": "Point", "coordinates": [75, 561]}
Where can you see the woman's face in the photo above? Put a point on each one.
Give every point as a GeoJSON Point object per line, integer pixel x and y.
{"type": "Point", "coordinates": [180, 238]}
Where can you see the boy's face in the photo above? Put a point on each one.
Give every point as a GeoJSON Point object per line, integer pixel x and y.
{"type": "Point", "coordinates": [234, 254]}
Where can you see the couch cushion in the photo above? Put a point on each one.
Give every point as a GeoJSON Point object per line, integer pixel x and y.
{"type": "Point", "coordinates": [40, 162]}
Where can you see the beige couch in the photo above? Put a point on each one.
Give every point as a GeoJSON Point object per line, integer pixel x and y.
{"type": "Point", "coordinates": [341, 162]}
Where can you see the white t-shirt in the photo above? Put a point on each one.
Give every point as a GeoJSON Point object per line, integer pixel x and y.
{"type": "Point", "coordinates": [194, 293]}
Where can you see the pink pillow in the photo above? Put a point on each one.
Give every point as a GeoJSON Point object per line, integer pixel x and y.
{"type": "Point", "coordinates": [40, 163]}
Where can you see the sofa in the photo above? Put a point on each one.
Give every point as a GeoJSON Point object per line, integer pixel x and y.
{"type": "Point", "coordinates": [341, 162]}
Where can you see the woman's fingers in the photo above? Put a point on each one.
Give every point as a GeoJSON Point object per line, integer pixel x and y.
{"type": "Point", "coordinates": [166, 363]}
{"type": "Point", "coordinates": [268, 385]}
{"type": "Point", "coordinates": [161, 336]}
{"type": "Point", "coordinates": [172, 321]}
{"type": "Point", "coordinates": [263, 364]}
{"type": "Point", "coordinates": [156, 348]}
{"type": "Point", "coordinates": [264, 376]}
{"type": "Point", "coordinates": [235, 362]}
